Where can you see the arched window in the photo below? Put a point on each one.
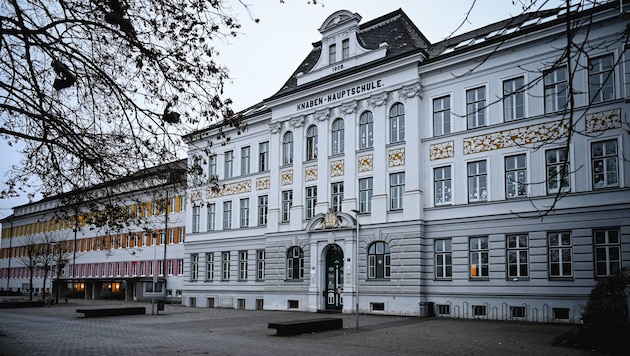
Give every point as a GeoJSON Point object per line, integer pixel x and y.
{"type": "Point", "coordinates": [379, 260]}
{"type": "Point", "coordinates": [311, 143]}
{"type": "Point", "coordinates": [337, 136]}
{"type": "Point", "coordinates": [366, 130]}
{"type": "Point", "coordinates": [295, 263]}
{"type": "Point", "coordinates": [397, 123]}
{"type": "Point", "coordinates": [287, 148]}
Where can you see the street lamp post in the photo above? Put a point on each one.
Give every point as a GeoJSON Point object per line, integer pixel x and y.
{"type": "Point", "coordinates": [356, 270]}
{"type": "Point", "coordinates": [154, 271]}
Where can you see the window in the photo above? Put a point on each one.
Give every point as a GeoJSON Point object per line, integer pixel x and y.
{"type": "Point", "coordinates": [607, 252]}
{"type": "Point", "coordinates": [441, 115]}
{"type": "Point", "coordinates": [196, 172]}
{"type": "Point", "coordinates": [227, 215]}
{"type": "Point", "coordinates": [287, 148]}
{"type": "Point", "coordinates": [182, 203]}
{"type": "Point", "coordinates": [345, 49]}
{"type": "Point", "coordinates": [311, 143]}
{"type": "Point", "coordinates": [443, 259]}
{"type": "Point", "coordinates": [263, 209]}
{"type": "Point", "coordinates": [336, 196]}
{"type": "Point", "coordinates": [604, 162]}
{"type": "Point", "coordinates": [479, 257]}
{"type": "Point", "coordinates": [560, 254]}
{"type": "Point", "coordinates": [244, 212]}
{"type": "Point", "coordinates": [517, 256]}
{"type": "Point", "coordinates": [229, 161]}
{"type": "Point", "coordinates": [209, 266]}
{"type": "Point", "coordinates": [476, 107]}
{"type": "Point", "coordinates": [171, 236]}
{"type": "Point", "coordinates": [379, 261]}
{"type": "Point", "coordinates": [225, 266]}
{"type": "Point", "coordinates": [242, 265]}
{"type": "Point", "coordinates": [295, 263]}
{"type": "Point", "coordinates": [182, 235]}
{"type": "Point", "coordinates": [332, 53]}
{"type": "Point", "coordinates": [194, 266]}
{"type": "Point", "coordinates": [515, 176]}
{"type": "Point", "coordinates": [245, 160]}
{"type": "Point", "coordinates": [518, 312]}
{"type": "Point", "coordinates": [479, 310]}
{"type": "Point", "coordinates": [477, 182]}
{"type": "Point", "coordinates": [396, 190]}
{"type": "Point", "coordinates": [366, 130]}
{"type": "Point", "coordinates": [195, 218]}
{"type": "Point", "coordinates": [260, 265]}
{"type": "Point", "coordinates": [212, 172]}
{"type": "Point", "coordinates": [287, 202]}
{"type": "Point", "coordinates": [170, 268]}
{"type": "Point", "coordinates": [513, 99]}
{"type": "Point", "coordinates": [263, 156]}
{"type": "Point", "coordinates": [365, 195]}
{"type": "Point", "coordinates": [601, 78]}
{"type": "Point", "coordinates": [556, 93]}
{"type": "Point", "coordinates": [311, 200]}
{"type": "Point", "coordinates": [180, 267]}
{"type": "Point", "coordinates": [211, 217]}
{"type": "Point", "coordinates": [558, 170]}
{"type": "Point", "coordinates": [397, 123]}
{"type": "Point", "coordinates": [337, 136]}
{"type": "Point", "coordinates": [442, 182]}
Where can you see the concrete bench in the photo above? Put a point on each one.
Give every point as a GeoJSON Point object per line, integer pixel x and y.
{"type": "Point", "coordinates": [296, 327]}
{"type": "Point", "coordinates": [20, 304]}
{"type": "Point", "coordinates": [94, 313]}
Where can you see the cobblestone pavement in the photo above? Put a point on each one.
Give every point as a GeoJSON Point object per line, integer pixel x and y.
{"type": "Point", "coordinates": [179, 330]}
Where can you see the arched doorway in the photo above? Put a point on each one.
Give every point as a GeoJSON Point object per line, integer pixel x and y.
{"type": "Point", "coordinates": [334, 278]}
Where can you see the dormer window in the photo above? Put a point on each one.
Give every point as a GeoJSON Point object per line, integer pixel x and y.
{"type": "Point", "coordinates": [345, 49]}
{"type": "Point", "coordinates": [332, 53]}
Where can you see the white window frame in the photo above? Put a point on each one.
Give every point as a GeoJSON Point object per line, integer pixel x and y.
{"type": "Point", "coordinates": [443, 256]}
{"type": "Point", "coordinates": [476, 107]}
{"type": "Point", "coordinates": [227, 215]}
{"type": "Point", "coordinates": [366, 189]}
{"type": "Point", "coordinates": [442, 115]}
{"type": "Point", "coordinates": [517, 253]}
{"type": "Point", "coordinates": [228, 168]}
{"type": "Point", "coordinates": [211, 217]}
{"type": "Point", "coordinates": [555, 81]}
{"type": "Point", "coordinates": [605, 164]}
{"type": "Point", "coordinates": [244, 212]}
{"type": "Point", "coordinates": [310, 201]}
{"type": "Point", "coordinates": [442, 185]}
{"type": "Point", "coordinates": [560, 246]}
{"type": "Point", "coordinates": [366, 130]}
{"type": "Point", "coordinates": [558, 170]}
{"type": "Point", "coordinates": [336, 196]}
{"type": "Point", "coordinates": [516, 176]}
{"type": "Point", "coordinates": [245, 160]}
{"type": "Point", "coordinates": [287, 203]}
{"type": "Point", "coordinates": [311, 143]}
{"type": "Point", "coordinates": [601, 78]}
{"type": "Point", "coordinates": [514, 98]}
{"type": "Point", "coordinates": [338, 139]}
{"type": "Point", "coordinates": [397, 123]}
{"type": "Point", "coordinates": [396, 190]}
{"type": "Point", "coordinates": [287, 148]}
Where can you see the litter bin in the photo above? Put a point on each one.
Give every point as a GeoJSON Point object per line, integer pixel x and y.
{"type": "Point", "coordinates": [426, 309]}
{"type": "Point", "coordinates": [160, 305]}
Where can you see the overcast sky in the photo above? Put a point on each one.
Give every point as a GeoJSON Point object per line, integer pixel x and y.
{"type": "Point", "coordinates": [261, 60]}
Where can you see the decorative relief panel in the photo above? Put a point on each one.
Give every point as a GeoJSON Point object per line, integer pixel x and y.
{"type": "Point", "coordinates": [297, 121]}
{"type": "Point", "coordinates": [231, 189]}
{"type": "Point", "coordinates": [516, 137]}
{"type": "Point", "coordinates": [310, 173]}
{"type": "Point", "coordinates": [413, 90]}
{"type": "Point", "coordinates": [603, 120]}
{"type": "Point", "coordinates": [336, 168]}
{"type": "Point", "coordinates": [366, 163]}
{"type": "Point", "coordinates": [275, 127]}
{"type": "Point", "coordinates": [287, 177]}
{"type": "Point", "coordinates": [195, 196]}
{"type": "Point", "coordinates": [263, 183]}
{"type": "Point", "coordinates": [396, 157]}
{"type": "Point", "coordinates": [349, 108]}
{"type": "Point", "coordinates": [442, 150]}
{"type": "Point", "coordinates": [378, 100]}
{"type": "Point", "coordinates": [321, 115]}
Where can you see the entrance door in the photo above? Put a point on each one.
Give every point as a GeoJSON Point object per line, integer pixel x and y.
{"type": "Point", "coordinates": [334, 278]}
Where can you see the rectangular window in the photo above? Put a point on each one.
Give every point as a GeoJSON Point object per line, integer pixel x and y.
{"type": "Point", "coordinates": [517, 256]}
{"type": "Point", "coordinates": [476, 107]}
{"type": "Point", "coordinates": [242, 265]}
{"type": "Point", "coordinates": [287, 202]}
{"type": "Point", "coordinates": [311, 200]}
{"type": "Point", "coordinates": [601, 78]}
{"type": "Point", "coordinates": [441, 116]}
{"type": "Point", "coordinates": [263, 209]}
{"type": "Point", "coordinates": [442, 185]}
{"type": "Point", "coordinates": [244, 212]}
{"type": "Point", "coordinates": [171, 236]}
{"type": "Point", "coordinates": [345, 49]}
{"type": "Point", "coordinates": [604, 162]}
{"type": "Point", "coordinates": [515, 176]}
{"type": "Point", "coordinates": [227, 215]}
{"type": "Point", "coordinates": [263, 156]}
{"type": "Point", "coordinates": [479, 257]}
{"type": "Point", "coordinates": [225, 266]}
{"type": "Point", "coordinates": [209, 266]}
{"type": "Point", "coordinates": [260, 265]}
{"type": "Point", "coordinates": [211, 217]}
{"type": "Point", "coordinates": [170, 268]}
{"type": "Point", "coordinates": [336, 195]}
{"type": "Point", "coordinates": [556, 93]}
{"type": "Point", "coordinates": [228, 169]}
{"type": "Point", "coordinates": [212, 169]}
{"type": "Point", "coordinates": [194, 266]}
{"type": "Point", "coordinates": [195, 218]}
{"type": "Point", "coordinates": [396, 190]}
{"type": "Point", "coordinates": [365, 195]}
{"type": "Point", "coordinates": [607, 252]}
{"type": "Point", "coordinates": [180, 267]}
{"type": "Point", "coordinates": [514, 99]}
{"type": "Point", "coordinates": [477, 182]}
{"type": "Point", "coordinates": [332, 53]}
{"type": "Point", "coordinates": [558, 170]}
{"type": "Point", "coordinates": [245, 160]}
{"type": "Point", "coordinates": [560, 254]}
{"type": "Point", "coordinates": [443, 259]}
{"type": "Point", "coordinates": [182, 235]}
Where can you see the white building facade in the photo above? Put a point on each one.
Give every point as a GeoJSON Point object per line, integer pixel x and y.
{"type": "Point", "coordinates": [402, 177]}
